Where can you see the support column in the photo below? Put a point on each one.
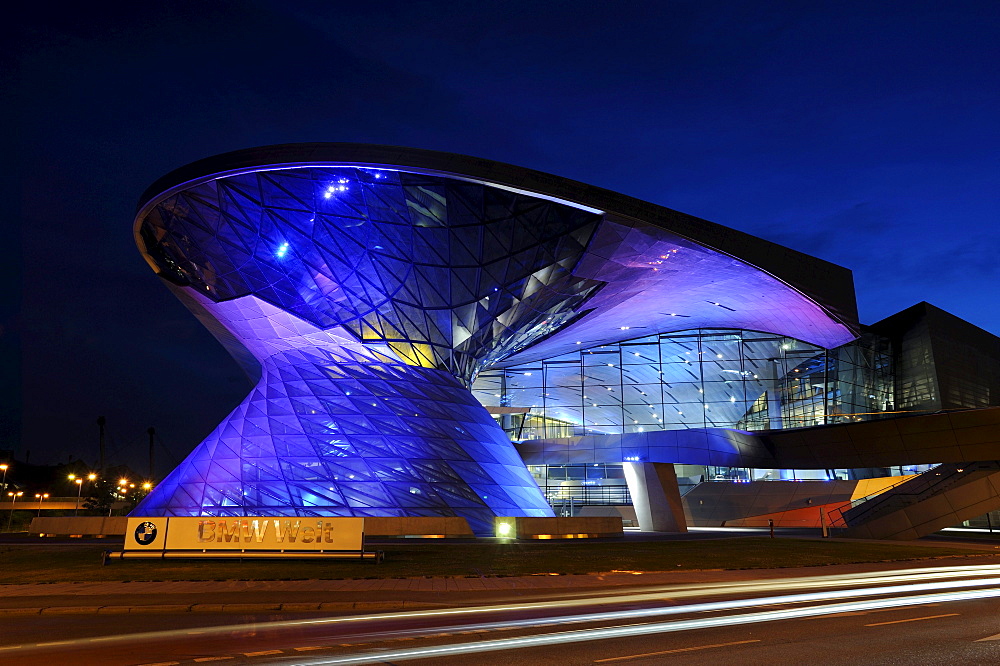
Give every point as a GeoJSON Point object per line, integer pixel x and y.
{"type": "Point", "coordinates": [772, 378]}
{"type": "Point", "coordinates": [656, 496]}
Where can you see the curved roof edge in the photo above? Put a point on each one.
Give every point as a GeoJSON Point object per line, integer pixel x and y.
{"type": "Point", "coordinates": [826, 283]}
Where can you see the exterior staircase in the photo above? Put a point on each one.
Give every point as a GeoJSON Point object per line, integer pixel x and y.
{"type": "Point", "coordinates": [940, 497]}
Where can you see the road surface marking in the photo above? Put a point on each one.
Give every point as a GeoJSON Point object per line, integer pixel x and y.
{"type": "Point", "coordinates": [994, 637]}
{"type": "Point", "coordinates": [687, 649]}
{"type": "Point", "coordinates": [912, 619]}
{"type": "Point", "coordinates": [262, 653]}
{"type": "Point", "coordinates": [311, 647]}
{"type": "Point", "coordinates": [212, 658]}
{"type": "Point", "coordinates": [163, 663]}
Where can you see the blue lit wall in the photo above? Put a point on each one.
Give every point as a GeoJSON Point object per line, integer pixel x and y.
{"type": "Point", "coordinates": [366, 301]}
{"type": "Point", "coordinates": [450, 274]}
{"type": "Point", "coordinates": [338, 428]}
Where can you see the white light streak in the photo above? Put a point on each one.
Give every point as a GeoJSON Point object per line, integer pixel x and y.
{"type": "Point", "coordinates": [583, 635]}
{"type": "Point", "coordinates": [876, 583]}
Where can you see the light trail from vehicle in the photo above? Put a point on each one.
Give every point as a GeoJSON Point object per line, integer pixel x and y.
{"type": "Point", "coordinates": [672, 593]}
{"type": "Point", "coordinates": [710, 607]}
{"type": "Point", "coordinates": [869, 584]}
{"type": "Point", "coordinates": [627, 631]}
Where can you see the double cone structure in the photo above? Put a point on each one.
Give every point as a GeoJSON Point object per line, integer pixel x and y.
{"type": "Point", "coordinates": [364, 288]}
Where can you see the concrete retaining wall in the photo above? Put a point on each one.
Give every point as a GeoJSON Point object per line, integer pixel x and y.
{"type": "Point", "coordinates": [625, 512]}
{"type": "Point", "coordinates": [78, 526]}
{"type": "Point", "coordinates": [561, 528]}
{"type": "Point", "coordinates": [440, 527]}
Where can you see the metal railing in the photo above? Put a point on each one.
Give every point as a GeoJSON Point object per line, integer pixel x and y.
{"type": "Point", "coordinates": [559, 496]}
{"type": "Point", "coordinates": [835, 516]}
{"type": "Point", "coordinates": [906, 493]}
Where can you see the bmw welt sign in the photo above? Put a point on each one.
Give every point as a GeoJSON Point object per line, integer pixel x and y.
{"type": "Point", "coordinates": [247, 533]}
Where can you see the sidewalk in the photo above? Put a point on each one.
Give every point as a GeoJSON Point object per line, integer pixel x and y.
{"type": "Point", "coordinates": [367, 595]}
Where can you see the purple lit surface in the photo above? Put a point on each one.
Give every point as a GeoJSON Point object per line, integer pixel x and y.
{"type": "Point", "coordinates": [658, 282]}
{"type": "Point", "coordinates": [337, 428]}
{"type": "Point", "coordinates": [371, 299]}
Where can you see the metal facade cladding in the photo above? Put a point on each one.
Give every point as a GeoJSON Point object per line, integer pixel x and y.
{"type": "Point", "coordinates": [365, 298]}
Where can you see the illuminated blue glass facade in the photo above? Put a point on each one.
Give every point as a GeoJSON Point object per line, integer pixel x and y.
{"type": "Point", "coordinates": [338, 428]}
{"type": "Point", "coordinates": [693, 379]}
{"type": "Point", "coordinates": [364, 297]}
{"type": "Point", "coordinates": [450, 274]}
{"type": "Point", "coordinates": [438, 276]}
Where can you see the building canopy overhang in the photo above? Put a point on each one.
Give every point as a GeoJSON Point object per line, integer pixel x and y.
{"type": "Point", "coordinates": [647, 269]}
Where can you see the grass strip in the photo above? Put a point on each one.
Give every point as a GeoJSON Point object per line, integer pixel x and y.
{"type": "Point", "coordinates": [29, 564]}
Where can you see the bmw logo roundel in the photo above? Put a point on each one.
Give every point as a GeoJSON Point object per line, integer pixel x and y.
{"type": "Point", "coordinates": [145, 533]}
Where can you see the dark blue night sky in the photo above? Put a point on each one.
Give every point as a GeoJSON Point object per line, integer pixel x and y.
{"type": "Point", "coordinates": [863, 133]}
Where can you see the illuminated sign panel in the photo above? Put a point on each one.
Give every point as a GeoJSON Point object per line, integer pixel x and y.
{"type": "Point", "coordinates": [145, 533]}
{"type": "Point", "coordinates": [247, 533]}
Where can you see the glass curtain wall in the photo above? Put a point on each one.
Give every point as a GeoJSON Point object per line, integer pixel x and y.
{"type": "Point", "coordinates": [705, 378]}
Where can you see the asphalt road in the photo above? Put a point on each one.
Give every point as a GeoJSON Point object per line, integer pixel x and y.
{"type": "Point", "coordinates": [932, 615]}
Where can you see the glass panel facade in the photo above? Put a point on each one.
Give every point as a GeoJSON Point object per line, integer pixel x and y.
{"type": "Point", "coordinates": [368, 300]}
{"type": "Point", "coordinates": [451, 275]}
{"type": "Point", "coordinates": [339, 428]}
{"type": "Point", "coordinates": [707, 378]}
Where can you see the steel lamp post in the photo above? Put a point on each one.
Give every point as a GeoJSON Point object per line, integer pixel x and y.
{"type": "Point", "coordinates": [79, 489]}
{"type": "Point", "coordinates": [40, 497]}
{"type": "Point", "coordinates": [13, 501]}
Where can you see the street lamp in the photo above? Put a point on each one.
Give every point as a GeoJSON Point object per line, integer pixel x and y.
{"type": "Point", "coordinates": [79, 489]}
{"type": "Point", "coordinates": [13, 500]}
{"type": "Point", "coordinates": [3, 467]}
{"type": "Point", "coordinates": [40, 497]}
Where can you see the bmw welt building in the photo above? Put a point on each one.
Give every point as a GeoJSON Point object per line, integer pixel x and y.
{"type": "Point", "coordinates": [437, 335]}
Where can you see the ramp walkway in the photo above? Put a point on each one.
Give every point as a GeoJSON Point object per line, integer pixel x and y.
{"type": "Point", "coordinates": [941, 497]}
